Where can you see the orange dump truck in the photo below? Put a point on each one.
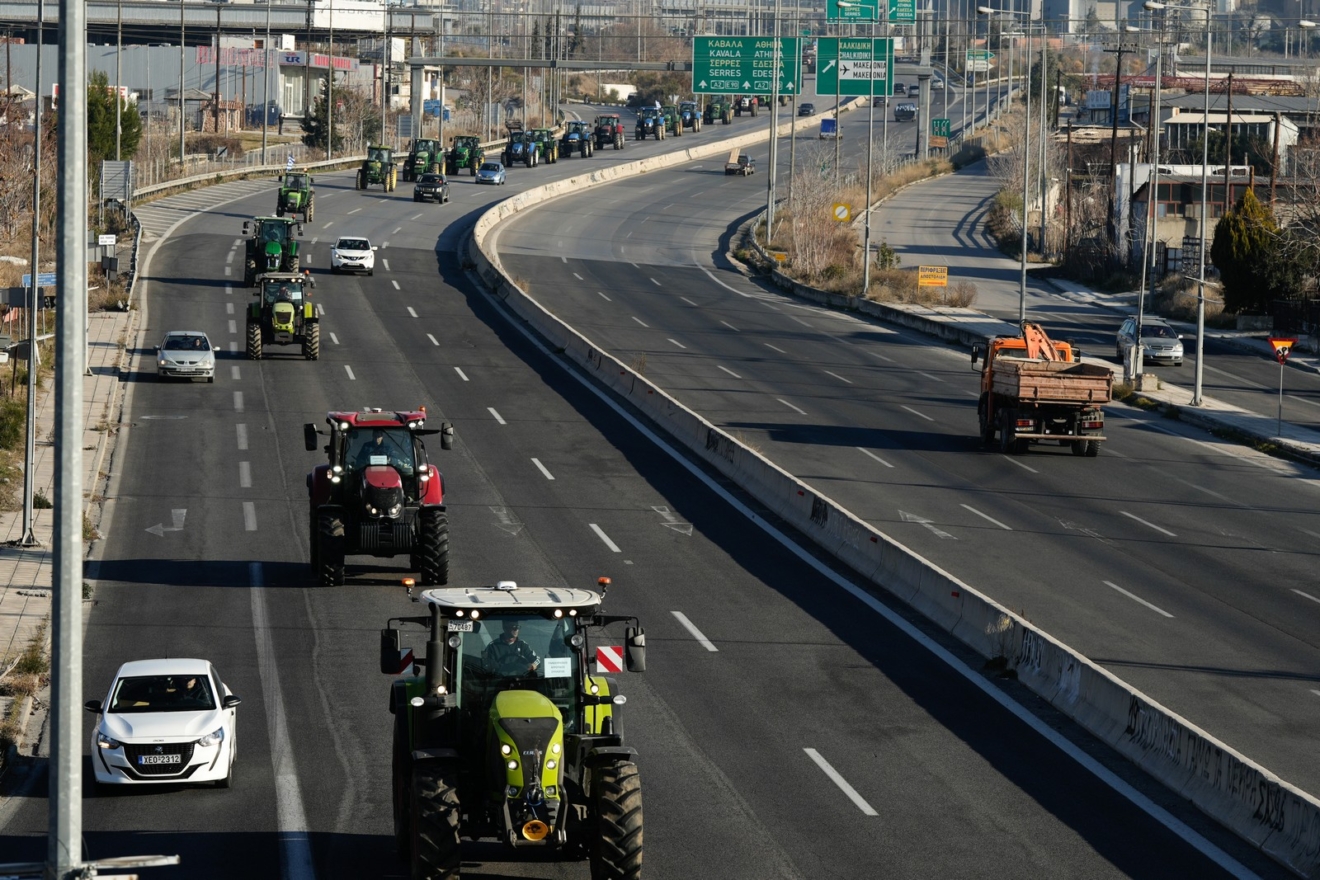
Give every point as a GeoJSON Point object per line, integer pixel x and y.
{"type": "Point", "coordinates": [1034, 389]}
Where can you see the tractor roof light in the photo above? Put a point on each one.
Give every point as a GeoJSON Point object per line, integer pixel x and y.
{"type": "Point", "coordinates": [475, 614]}
{"type": "Point", "coordinates": [559, 612]}
{"type": "Point", "coordinates": [343, 426]}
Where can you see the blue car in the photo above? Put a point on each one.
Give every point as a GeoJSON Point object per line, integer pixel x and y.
{"type": "Point", "coordinates": [491, 172]}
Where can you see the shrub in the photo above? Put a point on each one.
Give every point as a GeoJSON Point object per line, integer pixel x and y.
{"type": "Point", "coordinates": [13, 418]}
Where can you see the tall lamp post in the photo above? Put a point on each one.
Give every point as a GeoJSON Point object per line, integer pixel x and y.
{"type": "Point", "coordinates": [1154, 6]}
{"type": "Point", "coordinates": [870, 146]}
{"type": "Point", "coordinates": [1026, 164]}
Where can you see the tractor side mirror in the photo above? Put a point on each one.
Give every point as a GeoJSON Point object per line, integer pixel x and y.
{"type": "Point", "coordinates": [247, 228]}
{"type": "Point", "coordinates": [634, 638]}
{"type": "Point", "coordinates": [389, 651]}
{"type": "Point", "coordinates": [309, 437]}
{"type": "Point", "coordinates": [976, 354]}
{"type": "Point", "coordinates": [300, 230]}
{"type": "Point", "coordinates": [447, 435]}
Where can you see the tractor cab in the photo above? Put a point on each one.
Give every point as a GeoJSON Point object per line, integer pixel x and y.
{"type": "Point", "coordinates": [380, 154]}
{"type": "Point", "coordinates": [298, 181]}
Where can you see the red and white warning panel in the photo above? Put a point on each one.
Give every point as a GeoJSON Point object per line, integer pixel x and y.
{"type": "Point", "coordinates": [405, 660]}
{"type": "Point", "coordinates": [609, 659]}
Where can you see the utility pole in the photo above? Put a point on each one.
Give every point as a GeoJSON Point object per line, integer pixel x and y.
{"type": "Point", "coordinates": [182, 44]}
{"type": "Point", "coordinates": [265, 87]}
{"type": "Point", "coordinates": [330, 90]}
{"type": "Point", "coordinates": [216, 110]}
{"type": "Point", "coordinates": [1228, 146]}
{"type": "Point", "coordinates": [29, 538]}
{"type": "Point", "coordinates": [1113, 145]}
{"type": "Point", "coordinates": [119, 68]}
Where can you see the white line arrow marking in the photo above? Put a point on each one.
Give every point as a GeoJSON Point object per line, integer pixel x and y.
{"type": "Point", "coordinates": [913, 518]}
{"type": "Point", "coordinates": [177, 517]}
{"type": "Point", "coordinates": [507, 522]}
{"type": "Point", "coordinates": [673, 522]}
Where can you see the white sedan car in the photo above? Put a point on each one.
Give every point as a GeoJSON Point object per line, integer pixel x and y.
{"type": "Point", "coordinates": [353, 253]}
{"type": "Point", "coordinates": [165, 721]}
{"type": "Point", "coordinates": [186, 354]}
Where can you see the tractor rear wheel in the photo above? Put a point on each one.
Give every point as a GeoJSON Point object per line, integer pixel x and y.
{"type": "Point", "coordinates": [330, 550]}
{"type": "Point", "coordinates": [434, 809]}
{"type": "Point", "coordinates": [433, 547]}
{"type": "Point", "coordinates": [309, 212]}
{"type": "Point", "coordinates": [312, 341]}
{"type": "Point", "coordinates": [616, 853]}
{"type": "Point", "coordinates": [253, 341]}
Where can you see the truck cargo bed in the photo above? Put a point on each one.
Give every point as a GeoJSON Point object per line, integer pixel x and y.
{"type": "Point", "coordinates": [1042, 381]}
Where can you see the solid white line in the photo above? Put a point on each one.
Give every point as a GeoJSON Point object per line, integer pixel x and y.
{"type": "Point", "coordinates": [461, 374]}
{"type": "Point", "coordinates": [696, 633]}
{"type": "Point", "coordinates": [295, 845]}
{"type": "Point", "coordinates": [234, 373]}
{"type": "Point", "coordinates": [780, 350]}
{"type": "Point", "coordinates": [431, 337]}
{"type": "Point", "coordinates": [396, 284]}
{"type": "Point", "coordinates": [542, 468]}
{"type": "Point", "coordinates": [915, 413]}
{"type": "Point", "coordinates": [1306, 596]}
{"type": "Point", "coordinates": [841, 782]}
{"type": "Point", "coordinates": [242, 437]}
{"type": "Point", "coordinates": [1138, 599]}
{"type": "Point", "coordinates": [238, 401]}
{"type": "Point", "coordinates": [837, 376]}
{"type": "Point", "coordinates": [987, 518]}
{"type": "Point", "coordinates": [498, 417]}
{"type": "Point", "coordinates": [603, 296]}
{"type": "Point", "coordinates": [640, 321]}
{"type": "Point", "coordinates": [676, 342]}
{"type": "Point", "coordinates": [1149, 524]}
{"type": "Point", "coordinates": [249, 516]}
{"type": "Point", "coordinates": [791, 406]}
{"type": "Point", "coordinates": [600, 533]}
{"type": "Point", "coordinates": [688, 301]}
{"type": "Point", "coordinates": [244, 475]}
{"type": "Point", "coordinates": [868, 452]}
{"type": "Point", "coordinates": [730, 372]}
{"type": "Point", "coordinates": [730, 326]}
{"type": "Point", "coordinates": [975, 677]}
{"type": "Point", "coordinates": [349, 370]}
{"type": "Point", "coordinates": [1302, 400]}
{"type": "Point", "coordinates": [334, 339]}
{"type": "Point", "coordinates": [411, 312]}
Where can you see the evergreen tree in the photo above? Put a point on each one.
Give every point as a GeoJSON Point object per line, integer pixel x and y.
{"type": "Point", "coordinates": [101, 122]}
{"type": "Point", "coordinates": [575, 41]}
{"type": "Point", "coordinates": [1242, 251]}
{"type": "Point", "coordinates": [316, 125]}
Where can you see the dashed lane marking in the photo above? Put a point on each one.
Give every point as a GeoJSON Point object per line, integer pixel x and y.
{"type": "Point", "coordinates": [600, 533]}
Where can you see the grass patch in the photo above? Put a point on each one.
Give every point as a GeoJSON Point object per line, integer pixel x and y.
{"type": "Point", "coordinates": [30, 673]}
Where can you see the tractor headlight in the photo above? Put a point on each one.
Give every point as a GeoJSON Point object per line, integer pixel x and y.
{"type": "Point", "coordinates": [214, 738]}
{"type": "Point", "coordinates": [339, 469]}
{"type": "Point", "coordinates": [512, 765]}
{"type": "Point", "coordinates": [343, 426]}
{"type": "Point", "coordinates": [455, 641]}
{"type": "Point", "coordinates": [551, 764]}
{"type": "Point", "coordinates": [371, 510]}
{"type": "Point", "coordinates": [554, 748]}
{"type": "Point", "coordinates": [395, 510]}
{"type": "Point", "coordinates": [506, 749]}
{"type": "Point", "coordinates": [106, 742]}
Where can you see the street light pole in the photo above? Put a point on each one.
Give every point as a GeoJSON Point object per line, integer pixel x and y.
{"type": "Point", "coordinates": [265, 87]}
{"type": "Point", "coordinates": [182, 82]}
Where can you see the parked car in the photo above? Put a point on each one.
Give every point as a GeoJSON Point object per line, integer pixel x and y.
{"type": "Point", "coordinates": [353, 253]}
{"type": "Point", "coordinates": [186, 354]}
{"type": "Point", "coordinates": [492, 173]}
{"type": "Point", "coordinates": [1160, 343]}
{"type": "Point", "coordinates": [431, 187]}
{"type": "Point", "coordinates": [165, 722]}
{"type": "Point", "coordinates": [807, 109]}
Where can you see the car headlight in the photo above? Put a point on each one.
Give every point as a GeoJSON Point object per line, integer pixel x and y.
{"type": "Point", "coordinates": [214, 738]}
{"type": "Point", "coordinates": [106, 742]}
{"type": "Point", "coordinates": [162, 362]}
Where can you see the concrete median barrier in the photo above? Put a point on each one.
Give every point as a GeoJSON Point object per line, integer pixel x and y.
{"type": "Point", "coordinates": [1243, 796]}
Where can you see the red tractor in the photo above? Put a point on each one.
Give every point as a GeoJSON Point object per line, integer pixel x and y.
{"type": "Point", "coordinates": [377, 495]}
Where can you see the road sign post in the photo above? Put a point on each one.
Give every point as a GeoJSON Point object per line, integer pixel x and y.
{"type": "Point", "coordinates": [932, 276]}
{"type": "Point", "coordinates": [854, 66]}
{"type": "Point", "coordinates": [744, 65]}
{"type": "Point", "coordinates": [1282, 348]}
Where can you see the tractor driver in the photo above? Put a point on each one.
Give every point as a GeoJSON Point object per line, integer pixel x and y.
{"type": "Point", "coordinates": [509, 655]}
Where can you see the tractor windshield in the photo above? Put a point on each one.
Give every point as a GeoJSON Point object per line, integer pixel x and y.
{"type": "Point", "coordinates": [525, 652]}
{"type": "Point", "coordinates": [295, 181]}
{"type": "Point", "coordinates": [382, 446]}
{"type": "Point", "coordinates": [376, 154]}
{"type": "Point", "coordinates": [274, 231]}
{"type": "Point", "coordinates": [289, 291]}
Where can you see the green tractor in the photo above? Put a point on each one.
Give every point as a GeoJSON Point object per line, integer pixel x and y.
{"type": "Point", "coordinates": [673, 122]}
{"type": "Point", "coordinates": [283, 315]}
{"type": "Point", "coordinates": [506, 732]}
{"type": "Point", "coordinates": [272, 246]}
{"type": "Point", "coordinates": [296, 195]}
{"type": "Point", "coordinates": [718, 111]}
{"type": "Point", "coordinates": [423, 158]}
{"type": "Point", "coordinates": [378, 168]}
{"type": "Point", "coordinates": [465, 153]}
{"type": "Point", "coordinates": [547, 148]}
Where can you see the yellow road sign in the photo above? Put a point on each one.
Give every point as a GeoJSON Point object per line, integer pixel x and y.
{"type": "Point", "coordinates": [932, 276]}
{"type": "Point", "coordinates": [842, 212]}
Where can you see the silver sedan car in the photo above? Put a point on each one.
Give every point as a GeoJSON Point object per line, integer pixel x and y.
{"type": "Point", "coordinates": [1160, 343]}
{"type": "Point", "coordinates": [186, 354]}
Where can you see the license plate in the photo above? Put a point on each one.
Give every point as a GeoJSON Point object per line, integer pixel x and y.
{"type": "Point", "coordinates": [459, 626]}
{"type": "Point", "coordinates": [160, 759]}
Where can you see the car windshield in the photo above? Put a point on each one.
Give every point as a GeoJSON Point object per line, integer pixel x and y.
{"type": "Point", "coordinates": [491, 167]}
{"type": "Point", "coordinates": [353, 244]}
{"type": "Point", "coordinates": [497, 652]}
{"type": "Point", "coordinates": [367, 447]}
{"type": "Point", "coordinates": [162, 693]}
{"type": "Point", "coordinates": [1157, 331]}
{"type": "Point", "coordinates": [186, 343]}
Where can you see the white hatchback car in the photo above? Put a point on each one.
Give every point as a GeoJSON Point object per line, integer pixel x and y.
{"type": "Point", "coordinates": [165, 721]}
{"type": "Point", "coordinates": [353, 253]}
{"type": "Point", "coordinates": [186, 354]}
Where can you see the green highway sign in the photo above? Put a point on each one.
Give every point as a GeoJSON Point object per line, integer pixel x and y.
{"type": "Point", "coordinates": [854, 66]}
{"type": "Point", "coordinates": [744, 65]}
{"type": "Point", "coordinates": [939, 128]}
{"type": "Point", "coordinates": [856, 10]}
{"type": "Point", "coordinates": [980, 55]}
{"type": "Point", "coordinates": [904, 10]}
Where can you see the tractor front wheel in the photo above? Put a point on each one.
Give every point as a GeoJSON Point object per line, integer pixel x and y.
{"type": "Point", "coordinates": [433, 547]}
{"type": "Point", "coordinates": [360, 182]}
{"type": "Point", "coordinates": [616, 853]}
{"type": "Point", "coordinates": [312, 341]}
{"type": "Point", "coordinates": [434, 818]}
{"type": "Point", "coordinates": [253, 341]}
{"type": "Point", "coordinates": [330, 549]}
